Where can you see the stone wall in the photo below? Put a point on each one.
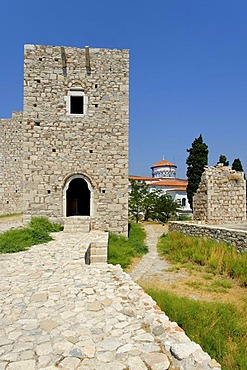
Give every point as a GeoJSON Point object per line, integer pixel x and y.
{"type": "Point", "coordinates": [11, 164]}
{"type": "Point", "coordinates": [58, 145]}
{"type": "Point", "coordinates": [60, 140]}
{"type": "Point", "coordinates": [221, 196]}
{"type": "Point", "coordinates": [238, 238]}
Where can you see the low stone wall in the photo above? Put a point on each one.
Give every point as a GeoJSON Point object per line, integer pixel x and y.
{"type": "Point", "coordinates": [236, 237]}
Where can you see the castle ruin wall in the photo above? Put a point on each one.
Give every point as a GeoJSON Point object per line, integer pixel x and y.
{"type": "Point", "coordinates": [221, 196]}
{"type": "Point", "coordinates": [11, 165]}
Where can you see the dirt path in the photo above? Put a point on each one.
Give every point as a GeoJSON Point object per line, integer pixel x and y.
{"type": "Point", "coordinates": [151, 266]}
{"type": "Point", "coordinates": [151, 261]}
{"type": "Point", "coordinates": [153, 271]}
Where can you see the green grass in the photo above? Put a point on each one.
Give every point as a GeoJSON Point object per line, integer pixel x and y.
{"type": "Point", "coordinates": [220, 329]}
{"type": "Point", "coordinates": [222, 283]}
{"type": "Point", "coordinates": [36, 232]}
{"type": "Point", "coordinates": [122, 250]}
{"type": "Point", "coordinates": [216, 257]}
{"type": "Point", "coordinates": [195, 284]}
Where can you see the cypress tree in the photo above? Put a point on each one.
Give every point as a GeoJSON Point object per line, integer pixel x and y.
{"type": "Point", "coordinates": [237, 165]}
{"type": "Point", "coordinates": [196, 161]}
{"type": "Point", "coordinates": [223, 160]}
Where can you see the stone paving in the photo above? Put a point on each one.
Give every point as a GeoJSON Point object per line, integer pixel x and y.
{"type": "Point", "coordinates": [58, 313]}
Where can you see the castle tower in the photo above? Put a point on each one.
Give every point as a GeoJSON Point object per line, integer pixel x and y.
{"type": "Point", "coordinates": [75, 135]}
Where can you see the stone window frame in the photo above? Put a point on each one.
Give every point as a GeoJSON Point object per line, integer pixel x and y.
{"type": "Point", "coordinates": [76, 91]}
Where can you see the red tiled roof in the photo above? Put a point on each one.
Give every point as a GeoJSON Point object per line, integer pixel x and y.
{"type": "Point", "coordinates": [181, 183]}
{"type": "Point", "coordinates": [170, 182]}
{"type": "Point", "coordinates": [141, 178]}
{"type": "Point", "coordinates": [177, 189]}
{"type": "Point", "coordinates": [163, 163]}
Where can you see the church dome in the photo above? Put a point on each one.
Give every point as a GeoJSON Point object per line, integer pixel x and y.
{"type": "Point", "coordinates": [164, 169]}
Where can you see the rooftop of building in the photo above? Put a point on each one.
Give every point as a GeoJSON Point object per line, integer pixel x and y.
{"type": "Point", "coordinates": [163, 163]}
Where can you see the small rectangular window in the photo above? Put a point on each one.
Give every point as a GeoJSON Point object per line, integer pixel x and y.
{"type": "Point", "coordinates": [76, 104]}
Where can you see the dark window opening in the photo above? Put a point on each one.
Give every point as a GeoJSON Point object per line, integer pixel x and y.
{"type": "Point", "coordinates": [7, 202]}
{"type": "Point", "coordinates": [76, 105]}
{"type": "Point", "coordinates": [48, 191]}
{"type": "Point", "coordinates": [90, 151]}
{"type": "Point", "coordinates": [96, 105]}
{"type": "Point", "coordinates": [96, 86]}
{"type": "Point", "coordinates": [78, 198]}
{"type": "Point", "coordinates": [183, 202]}
{"type": "Point", "coordinates": [37, 123]}
{"type": "Point", "coordinates": [54, 150]}
{"type": "Point", "coordinates": [35, 105]}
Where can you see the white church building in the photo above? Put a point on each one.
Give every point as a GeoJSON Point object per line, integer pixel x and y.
{"type": "Point", "coordinates": [164, 178]}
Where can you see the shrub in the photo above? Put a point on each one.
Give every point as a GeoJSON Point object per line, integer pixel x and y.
{"type": "Point", "coordinates": [21, 239]}
{"type": "Point", "coordinates": [15, 240]}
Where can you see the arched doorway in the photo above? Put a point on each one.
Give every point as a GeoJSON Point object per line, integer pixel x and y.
{"type": "Point", "coordinates": [78, 199]}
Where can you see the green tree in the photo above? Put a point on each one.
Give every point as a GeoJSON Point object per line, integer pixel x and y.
{"type": "Point", "coordinates": [237, 165]}
{"type": "Point", "coordinates": [165, 207]}
{"type": "Point", "coordinates": [196, 161]}
{"type": "Point", "coordinates": [138, 193]}
{"type": "Point", "coordinates": [223, 159]}
{"type": "Point", "coordinates": [149, 203]}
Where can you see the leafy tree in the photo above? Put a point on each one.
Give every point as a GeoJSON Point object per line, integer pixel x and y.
{"type": "Point", "coordinates": [165, 208]}
{"type": "Point", "coordinates": [149, 203]}
{"type": "Point", "coordinates": [139, 191]}
{"type": "Point", "coordinates": [223, 159]}
{"type": "Point", "coordinates": [196, 161]}
{"type": "Point", "coordinates": [237, 165]}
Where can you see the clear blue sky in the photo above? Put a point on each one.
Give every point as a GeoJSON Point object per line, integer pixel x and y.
{"type": "Point", "coordinates": [188, 67]}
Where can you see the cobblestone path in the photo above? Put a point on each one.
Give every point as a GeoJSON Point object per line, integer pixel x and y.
{"type": "Point", "coordinates": [58, 313]}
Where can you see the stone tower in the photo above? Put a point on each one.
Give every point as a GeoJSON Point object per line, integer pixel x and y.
{"type": "Point", "coordinates": [75, 135]}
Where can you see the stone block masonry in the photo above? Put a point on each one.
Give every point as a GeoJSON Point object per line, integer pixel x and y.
{"type": "Point", "coordinates": [221, 196]}
{"type": "Point", "coordinates": [72, 139]}
{"type": "Point", "coordinates": [238, 238]}
{"type": "Point", "coordinates": [11, 164]}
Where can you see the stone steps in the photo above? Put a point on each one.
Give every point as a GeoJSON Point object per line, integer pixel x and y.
{"type": "Point", "coordinates": [98, 251]}
{"type": "Point", "coordinates": [77, 224]}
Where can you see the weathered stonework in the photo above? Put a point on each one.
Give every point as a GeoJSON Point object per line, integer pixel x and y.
{"type": "Point", "coordinates": [65, 144]}
{"type": "Point", "coordinates": [237, 238]}
{"type": "Point", "coordinates": [11, 164]}
{"type": "Point", "coordinates": [221, 196]}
